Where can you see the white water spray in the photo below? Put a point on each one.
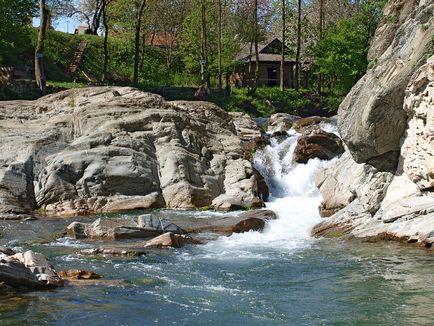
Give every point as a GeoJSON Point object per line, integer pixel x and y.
{"type": "Point", "coordinates": [294, 198]}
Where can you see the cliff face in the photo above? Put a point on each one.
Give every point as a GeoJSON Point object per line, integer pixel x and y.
{"type": "Point", "coordinates": [116, 148]}
{"type": "Point", "coordinates": [383, 185]}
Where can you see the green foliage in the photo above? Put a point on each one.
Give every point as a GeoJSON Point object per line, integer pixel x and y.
{"type": "Point", "coordinates": [190, 45]}
{"type": "Point", "coordinates": [341, 55]}
{"type": "Point", "coordinates": [7, 92]}
{"type": "Point", "coordinates": [268, 101]}
{"type": "Point", "coordinates": [14, 26]}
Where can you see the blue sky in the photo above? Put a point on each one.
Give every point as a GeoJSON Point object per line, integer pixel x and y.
{"type": "Point", "coordinates": [62, 24]}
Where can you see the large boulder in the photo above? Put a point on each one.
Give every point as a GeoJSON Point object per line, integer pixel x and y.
{"type": "Point", "coordinates": [241, 184]}
{"type": "Point", "coordinates": [317, 144]}
{"type": "Point", "coordinates": [380, 204]}
{"type": "Point", "coordinates": [105, 149]}
{"type": "Point", "coordinates": [345, 180]}
{"type": "Point", "coordinates": [144, 226]}
{"type": "Point", "coordinates": [28, 269]}
{"type": "Point", "coordinates": [371, 119]}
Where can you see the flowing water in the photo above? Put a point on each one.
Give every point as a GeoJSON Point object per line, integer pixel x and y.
{"type": "Point", "coordinates": [278, 277]}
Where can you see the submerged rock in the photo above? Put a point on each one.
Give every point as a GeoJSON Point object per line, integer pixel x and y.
{"type": "Point", "coordinates": [170, 239]}
{"type": "Point", "coordinates": [76, 274]}
{"type": "Point", "coordinates": [131, 251]}
{"type": "Point", "coordinates": [28, 269]}
{"type": "Point", "coordinates": [144, 226]}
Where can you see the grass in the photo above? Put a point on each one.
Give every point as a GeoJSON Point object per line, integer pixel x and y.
{"type": "Point", "coordinates": [60, 48]}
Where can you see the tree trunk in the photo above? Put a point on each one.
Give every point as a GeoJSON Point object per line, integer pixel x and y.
{"type": "Point", "coordinates": [204, 79]}
{"type": "Point", "coordinates": [219, 45]}
{"type": "Point", "coordinates": [282, 60]}
{"type": "Point", "coordinates": [39, 52]}
{"type": "Point", "coordinates": [297, 55]}
{"type": "Point", "coordinates": [106, 32]}
{"type": "Point", "coordinates": [137, 43]}
{"type": "Point", "coordinates": [142, 55]}
{"type": "Point", "coordinates": [252, 90]}
{"type": "Point", "coordinates": [321, 27]}
{"type": "Point", "coordinates": [99, 4]}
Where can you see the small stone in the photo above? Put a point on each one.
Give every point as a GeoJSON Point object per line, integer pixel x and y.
{"type": "Point", "coordinates": [170, 239]}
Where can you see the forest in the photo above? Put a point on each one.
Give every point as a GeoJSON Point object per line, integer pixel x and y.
{"type": "Point", "coordinates": [177, 45]}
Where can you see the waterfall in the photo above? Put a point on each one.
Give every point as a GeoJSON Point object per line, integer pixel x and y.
{"type": "Point", "coordinates": [294, 197]}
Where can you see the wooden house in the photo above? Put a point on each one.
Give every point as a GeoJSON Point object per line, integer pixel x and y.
{"type": "Point", "coordinates": [269, 65]}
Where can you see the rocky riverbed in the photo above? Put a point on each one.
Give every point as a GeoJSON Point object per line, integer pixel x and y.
{"type": "Point", "coordinates": [382, 187]}
{"type": "Point", "coordinates": [95, 176]}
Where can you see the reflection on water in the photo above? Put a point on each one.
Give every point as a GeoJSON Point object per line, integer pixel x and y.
{"type": "Point", "coordinates": [327, 283]}
{"type": "Point", "coordinates": [278, 277]}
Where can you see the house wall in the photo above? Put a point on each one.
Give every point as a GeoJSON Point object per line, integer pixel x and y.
{"type": "Point", "coordinates": [241, 77]}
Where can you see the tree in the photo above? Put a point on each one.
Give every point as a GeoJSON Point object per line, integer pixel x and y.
{"type": "Point", "coordinates": [89, 10]}
{"type": "Point", "coordinates": [190, 41]}
{"type": "Point", "coordinates": [15, 21]}
{"type": "Point", "coordinates": [166, 17]}
{"type": "Point", "coordinates": [204, 81]}
{"type": "Point", "coordinates": [219, 44]}
{"type": "Point", "coordinates": [39, 52]}
{"type": "Point", "coordinates": [321, 27]}
{"type": "Point", "coordinates": [140, 7]}
{"type": "Point", "coordinates": [341, 54]}
{"type": "Point", "coordinates": [282, 60]}
{"type": "Point", "coordinates": [106, 33]}
{"type": "Point", "coordinates": [298, 50]}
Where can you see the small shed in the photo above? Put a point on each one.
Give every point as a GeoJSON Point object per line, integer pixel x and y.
{"type": "Point", "coordinates": [269, 65]}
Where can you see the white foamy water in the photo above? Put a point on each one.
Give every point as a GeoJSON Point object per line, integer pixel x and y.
{"type": "Point", "coordinates": [294, 198]}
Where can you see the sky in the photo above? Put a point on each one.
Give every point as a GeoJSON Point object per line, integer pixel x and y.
{"type": "Point", "coordinates": [63, 24]}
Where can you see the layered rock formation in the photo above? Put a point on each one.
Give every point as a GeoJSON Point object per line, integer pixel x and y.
{"type": "Point", "coordinates": [116, 148]}
{"type": "Point", "coordinates": [28, 269]}
{"type": "Point", "coordinates": [144, 226]}
{"type": "Point", "coordinates": [383, 186]}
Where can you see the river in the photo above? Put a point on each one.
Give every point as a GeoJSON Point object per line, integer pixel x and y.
{"type": "Point", "coordinates": [281, 276]}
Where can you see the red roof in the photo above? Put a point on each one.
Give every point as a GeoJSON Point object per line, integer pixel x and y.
{"type": "Point", "coordinates": [162, 39]}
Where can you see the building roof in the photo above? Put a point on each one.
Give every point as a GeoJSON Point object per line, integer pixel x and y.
{"type": "Point", "coordinates": [269, 51]}
{"type": "Point", "coordinates": [163, 39]}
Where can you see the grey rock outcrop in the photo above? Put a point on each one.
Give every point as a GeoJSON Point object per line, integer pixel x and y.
{"type": "Point", "coordinates": [86, 150]}
{"type": "Point", "coordinates": [384, 205]}
{"type": "Point", "coordinates": [246, 127]}
{"type": "Point", "coordinates": [144, 226]}
{"type": "Point", "coordinates": [28, 269]}
{"type": "Point", "coordinates": [382, 188]}
{"type": "Point", "coordinates": [372, 119]}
